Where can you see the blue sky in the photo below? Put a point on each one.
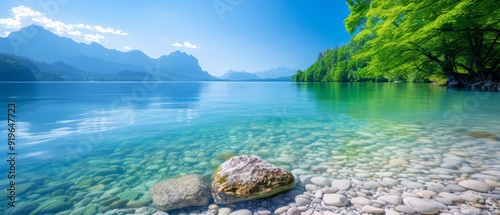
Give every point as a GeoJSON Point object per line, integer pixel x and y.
{"type": "Point", "coordinates": [249, 35]}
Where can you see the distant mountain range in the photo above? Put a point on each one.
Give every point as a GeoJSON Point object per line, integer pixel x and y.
{"type": "Point", "coordinates": [279, 73]}
{"type": "Point", "coordinates": [238, 76]}
{"type": "Point", "coordinates": [50, 57]}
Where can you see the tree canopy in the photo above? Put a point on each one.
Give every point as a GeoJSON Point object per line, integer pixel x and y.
{"type": "Point", "coordinates": [416, 40]}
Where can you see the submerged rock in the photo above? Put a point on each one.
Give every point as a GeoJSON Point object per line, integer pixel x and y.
{"type": "Point", "coordinates": [247, 177]}
{"type": "Point", "coordinates": [185, 191]}
{"type": "Point", "coordinates": [53, 205]}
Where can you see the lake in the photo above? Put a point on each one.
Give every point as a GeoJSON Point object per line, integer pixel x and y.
{"type": "Point", "coordinates": [76, 141]}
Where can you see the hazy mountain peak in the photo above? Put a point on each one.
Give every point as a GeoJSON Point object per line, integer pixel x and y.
{"type": "Point", "coordinates": [238, 76]}
{"type": "Point", "coordinates": [42, 45]}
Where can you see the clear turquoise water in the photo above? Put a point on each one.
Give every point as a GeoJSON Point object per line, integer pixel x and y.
{"type": "Point", "coordinates": [68, 131]}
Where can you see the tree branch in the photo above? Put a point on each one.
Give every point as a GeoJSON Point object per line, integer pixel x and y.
{"type": "Point", "coordinates": [468, 30]}
{"type": "Point", "coordinates": [492, 44]}
{"type": "Point", "coordinates": [470, 70]}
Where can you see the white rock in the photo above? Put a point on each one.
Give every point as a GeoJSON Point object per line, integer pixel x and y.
{"type": "Point", "coordinates": [263, 211]}
{"type": "Point", "coordinates": [405, 209]}
{"type": "Point", "coordinates": [329, 190]}
{"type": "Point", "coordinates": [160, 213]}
{"type": "Point", "coordinates": [391, 212]}
{"type": "Point", "coordinates": [453, 160]}
{"type": "Point", "coordinates": [384, 174]}
{"type": "Point", "coordinates": [391, 199]}
{"type": "Point", "coordinates": [360, 201]}
{"type": "Point", "coordinates": [320, 181]}
{"type": "Point", "coordinates": [475, 185]}
{"type": "Point", "coordinates": [492, 183]}
{"type": "Point", "coordinates": [390, 181]}
{"type": "Point", "coordinates": [372, 210]}
{"type": "Point", "coordinates": [335, 199]}
{"type": "Point", "coordinates": [300, 201]}
{"type": "Point", "coordinates": [444, 201]}
{"type": "Point", "coordinates": [411, 184]}
{"type": "Point", "coordinates": [455, 188]}
{"type": "Point", "coordinates": [281, 210]}
{"type": "Point", "coordinates": [427, 194]}
{"type": "Point", "coordinates": [299, 172]}
{"type": "Point", "coordinates": [318, 194]}
{"type": "Point", "coordinates": [398, 161]}
{"type": "Point", "coordinates": [242, 212]}
{"type": "Point", "coordinates": [492, 172]}
{"type": "Point", "coordinates": [311, 187]}
{"type": "Point", "coordinates": [471, 197]}
{"type": "Point", "coordinates": [224, 211]}
{"type": "Point", "coordinates": [341, 184]}
{"type": "Point", "coordinates": [451, 196]}
{"type": "Point", "coordinates": [421, 206]}
{"type": "Point", "coordinates": [293, 211]}
{"type": "Point", "coordinates": [370, 185]}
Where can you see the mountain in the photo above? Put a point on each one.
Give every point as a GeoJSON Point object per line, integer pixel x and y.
{"type": "Point", "coordinates": [275, 74]}
{"type": "Point", "coordinates": [238, 76]}
{"type": "Point", "coordinates": [41, 45]}
{"type": "Point", "coordinates": [279, 72]}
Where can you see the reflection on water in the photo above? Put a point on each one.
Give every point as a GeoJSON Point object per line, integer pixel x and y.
{"type": "Point", "coordinates": [131, 135]}
{"type": "Point", "coordinates": [75, 112]}
{"type": "Point", "coordinates": [68, 111]}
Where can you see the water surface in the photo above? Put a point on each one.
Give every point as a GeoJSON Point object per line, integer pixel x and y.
{"type": "Point", "coordinates": [147, 132]}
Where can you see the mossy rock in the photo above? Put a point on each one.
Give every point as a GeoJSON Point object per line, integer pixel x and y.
{"type": "Point", "coordinates": [248, 177]}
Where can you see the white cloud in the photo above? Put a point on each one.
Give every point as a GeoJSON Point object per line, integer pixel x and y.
{"type": "Point", "coordinates": [23, 16]}
{"type": "Point", "coordinates": [6, 34]}
{"type": "Point", "coordinates": [20, 14]}
{"type": "Point", "coordinates": [127, 48]}
{"type": "Point", "coordinates": [177, 45]}
{"type": "Point", "coordinates": [75, 33]}
{"type": "Point", "coordinates": [94, 38]}
{"type": "Point", "coordinates": [110, 30]}
{"type": "Point", "coordinates": [187, 45]}
{"type": "Point", "coordinates": [88, 27]}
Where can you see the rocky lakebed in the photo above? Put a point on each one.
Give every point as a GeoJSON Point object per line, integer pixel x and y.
{"type": "Point", "coordinates": [379, 170]}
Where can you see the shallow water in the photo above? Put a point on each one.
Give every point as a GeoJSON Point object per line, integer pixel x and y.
{"type": "Point", "coordinates": [131, 135]}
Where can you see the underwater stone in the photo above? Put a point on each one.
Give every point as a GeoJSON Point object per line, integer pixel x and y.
{"type": "Point", "coordinates": [53, 205]}
{"type": "Point", "coordinates": [247, 177]}
{"type": "Point", "coordinates": [185, 191]}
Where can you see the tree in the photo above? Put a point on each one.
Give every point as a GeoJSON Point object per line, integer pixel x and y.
{"type": "Point", "coordinates": [457, 39]}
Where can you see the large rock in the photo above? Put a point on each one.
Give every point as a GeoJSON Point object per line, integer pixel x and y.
{"type": "Point", "coordinates": [248, 177]}
{"type": "Point", "coordinates": [185, 191]}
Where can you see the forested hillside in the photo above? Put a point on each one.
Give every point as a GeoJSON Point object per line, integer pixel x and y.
{"type": "Point", "coordinates": [414, 41]}
{"type": "Point", "coordinates": [14, 68]}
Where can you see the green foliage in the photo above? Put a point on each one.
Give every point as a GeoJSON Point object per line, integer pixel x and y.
{"type": "Point", "coordinates": [15, 68]}
{"type": "Point", "coordinates": [415, 41]}
{"type": "Point", "coordinates": [12, 69]}
{"type": "Point", "coordinates": [332, 65]}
